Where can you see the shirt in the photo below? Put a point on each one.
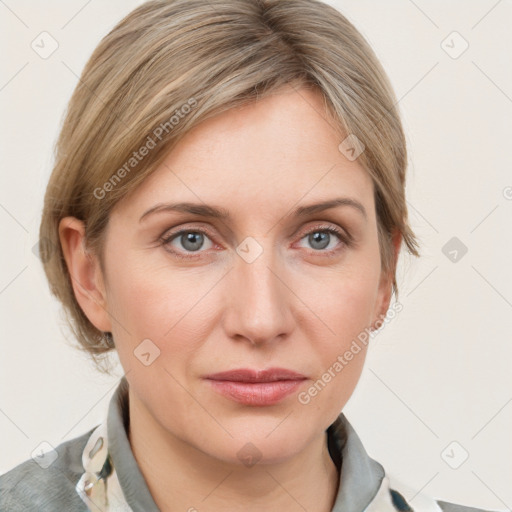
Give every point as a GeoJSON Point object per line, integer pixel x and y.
{"type": "Point", "coordinates": [97, 472]}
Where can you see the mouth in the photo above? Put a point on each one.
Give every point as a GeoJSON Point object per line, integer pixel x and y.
{"type": "Point", "coordinates": [256, 387]}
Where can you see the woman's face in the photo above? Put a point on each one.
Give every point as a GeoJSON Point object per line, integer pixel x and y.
{"type": "Point", "coordinates": [264, 287]}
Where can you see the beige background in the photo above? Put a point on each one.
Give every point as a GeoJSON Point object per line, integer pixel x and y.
{"type": "Point", "coordinates": [439, 372]}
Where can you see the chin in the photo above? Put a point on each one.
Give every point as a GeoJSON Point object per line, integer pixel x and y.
{"type": "Point", "coordinates": [261, 442]}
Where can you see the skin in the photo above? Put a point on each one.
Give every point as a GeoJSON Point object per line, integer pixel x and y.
{"type": "Point", "coordinates": [292, 307]}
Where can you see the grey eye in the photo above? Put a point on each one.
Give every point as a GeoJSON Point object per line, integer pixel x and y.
{"type": "Point", "coordinates": [191, 240]}
{"type": "Point", "coordinates": [187, 242]}
{"type": "Point", "coordinates": [319, 239]}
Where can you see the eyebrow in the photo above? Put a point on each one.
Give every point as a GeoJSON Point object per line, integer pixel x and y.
{"type": "Point", "coordinates": [214, 212]}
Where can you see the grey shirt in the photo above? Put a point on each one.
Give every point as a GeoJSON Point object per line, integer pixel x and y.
{"type": "Point", "coordinates": [98, 471]}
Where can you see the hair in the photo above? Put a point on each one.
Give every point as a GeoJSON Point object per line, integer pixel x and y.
{"type": "Point", "coordinates": [171, 64]}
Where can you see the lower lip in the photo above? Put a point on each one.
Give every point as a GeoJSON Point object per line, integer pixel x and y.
{"type": "Point", "coordinates": [256, 393]}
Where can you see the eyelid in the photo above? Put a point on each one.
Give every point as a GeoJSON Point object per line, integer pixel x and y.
{"type": "Point", "coordinates": [169, 235]}
{"type": "Point", "coordinates": [342, 233]}
{"type": "Point", "coordinates": [170, 232]}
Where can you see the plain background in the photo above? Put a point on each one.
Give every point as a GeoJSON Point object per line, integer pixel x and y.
{"type": "Point", "coordinates": [439, 372]}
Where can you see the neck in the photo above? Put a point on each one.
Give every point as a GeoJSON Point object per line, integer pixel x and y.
{"type": "Point", "coordinates": [181, 477]}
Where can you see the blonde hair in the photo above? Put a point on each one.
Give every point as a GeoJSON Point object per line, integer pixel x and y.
{"type": "Point", "coordinates": [171, 64]}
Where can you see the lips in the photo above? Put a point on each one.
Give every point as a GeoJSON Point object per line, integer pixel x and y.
{"type": "Point", "coordinates": [256, 387]}
{"type": "Point", "coordinates": [251, 376]}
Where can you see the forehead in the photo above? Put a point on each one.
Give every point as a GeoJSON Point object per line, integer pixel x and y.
{"type": "Point", "coordinates": [274, 153]}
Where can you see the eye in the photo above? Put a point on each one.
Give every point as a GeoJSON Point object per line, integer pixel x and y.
{"type": "Point", "coordinates": [187, 241]}
{"type": "Point", "coordinates": [321, 238]}
{"type": "Point", "coordinates": [192, 243]}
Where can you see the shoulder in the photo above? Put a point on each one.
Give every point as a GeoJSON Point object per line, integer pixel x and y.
{"type": "Point", "coordinates": [453, 507]}
{"type": "Point", "coordinates": [422, 502]}
{"type": "Point", "coordinates": [48, 484]}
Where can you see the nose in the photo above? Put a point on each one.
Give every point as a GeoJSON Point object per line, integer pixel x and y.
{"type": "Point", "coordinates": [259, 303]}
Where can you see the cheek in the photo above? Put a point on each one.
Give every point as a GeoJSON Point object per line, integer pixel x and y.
{"type": "Point", "coordinates": [351, 306]}
{"type": "Point", "coordinates": [159, 304]}
{"type": "Point", "coordinates": [344, 303]}
{"type": "Point", "coordinates": [345, 306]}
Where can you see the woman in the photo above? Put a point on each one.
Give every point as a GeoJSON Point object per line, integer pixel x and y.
{"type": "Point", "coordinates": [227, 208]}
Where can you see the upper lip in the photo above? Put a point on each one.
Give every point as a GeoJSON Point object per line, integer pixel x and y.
{"type": "Point", "coordinates": [249, 375]}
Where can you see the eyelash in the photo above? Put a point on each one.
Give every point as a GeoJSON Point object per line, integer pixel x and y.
{"type": "Point", "coordinates": [344, 238]}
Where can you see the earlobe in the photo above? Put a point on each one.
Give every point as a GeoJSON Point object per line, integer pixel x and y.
{"type": "Point", "coordinates": [85, 272]}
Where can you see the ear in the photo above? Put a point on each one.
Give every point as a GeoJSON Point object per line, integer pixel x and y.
{"type": "Point", "coordinates": [386, 281]}
{"type": "Point", "coordinates": [86, 276]}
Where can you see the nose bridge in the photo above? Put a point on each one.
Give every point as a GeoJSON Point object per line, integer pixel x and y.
{"type": "Point", "coordinates": [259, 300]}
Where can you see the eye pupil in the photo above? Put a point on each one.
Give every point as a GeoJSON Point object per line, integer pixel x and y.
{"type": "Point", "coordinates": [321, 237]}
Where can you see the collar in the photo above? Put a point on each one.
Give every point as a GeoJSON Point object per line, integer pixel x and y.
{"type": "Point", "coordinates": [112, 480]}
